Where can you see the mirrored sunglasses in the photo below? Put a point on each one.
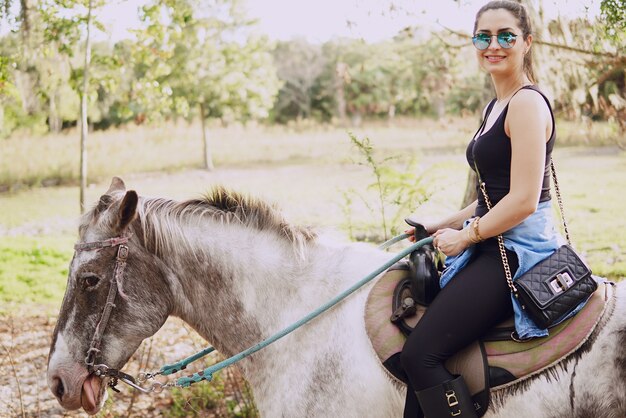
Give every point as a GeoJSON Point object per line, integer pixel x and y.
{"type": "Point", "coordinates": [483, 40]}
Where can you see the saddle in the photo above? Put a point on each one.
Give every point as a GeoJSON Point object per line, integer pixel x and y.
{"type": "Point", "coordinates": [496, 360]}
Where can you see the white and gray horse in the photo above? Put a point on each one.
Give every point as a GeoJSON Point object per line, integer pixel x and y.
{"type": "Point", "coordinates": [237, 272]}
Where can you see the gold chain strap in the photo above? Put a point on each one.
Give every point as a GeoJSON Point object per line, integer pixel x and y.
{"type": "Point", "coordinates": [505, 259]}
{"type": "Point", "coordinates": [558, 198]}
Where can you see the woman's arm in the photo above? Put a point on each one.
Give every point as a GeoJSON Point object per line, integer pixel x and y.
{"type": "Point", "coordinates": [529, 124]}
{"type": "Point", "coordinates": [455, 221]}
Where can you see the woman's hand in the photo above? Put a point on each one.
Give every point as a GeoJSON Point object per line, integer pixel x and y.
{"type": "Point", "coordinates": [428, 226]}
{"type": "Point", "coordinates": [451, 241]}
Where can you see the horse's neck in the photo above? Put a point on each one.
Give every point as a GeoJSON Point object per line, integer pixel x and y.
{"type": "Point", "coordinates": [243, 285]}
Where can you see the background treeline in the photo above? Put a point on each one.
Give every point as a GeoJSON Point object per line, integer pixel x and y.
{"type": "Point", "coordinates": [203, 58]}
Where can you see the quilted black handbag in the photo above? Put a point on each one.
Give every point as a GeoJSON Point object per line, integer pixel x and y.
{"type": "Point", "coordinates": [556, 285]}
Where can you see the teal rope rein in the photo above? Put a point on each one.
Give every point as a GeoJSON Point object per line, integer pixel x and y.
{"type": "Point", "coordinates": [392, 241]}
{"type": "Point", "coordinates": [207, 374]}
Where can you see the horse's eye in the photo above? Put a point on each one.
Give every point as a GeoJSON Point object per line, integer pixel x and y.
{"type": "Point", "coordinates": [90, 281]}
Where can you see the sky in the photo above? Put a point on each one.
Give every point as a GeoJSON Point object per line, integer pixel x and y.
{"type": "Point", "coordinates": [320, 20]}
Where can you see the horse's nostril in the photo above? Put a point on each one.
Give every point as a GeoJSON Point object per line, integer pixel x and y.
{"type": "Point", "coordinates": [57, 388]}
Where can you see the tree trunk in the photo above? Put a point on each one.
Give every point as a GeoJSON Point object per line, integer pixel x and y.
{"type": "Point", "coordinates": [26, 74]}
{"type": "Point", "coordinates": [2, 130]}
{"type": "Point", "coordinates": [208, 159]}
{"type": "Point", "coordinates": [84, 127]}
{"type": "Point", "coordinates": [391, 113]}
{"type": "Point", "coordinates": [470, 189]}
{"type": "Point", "coordinates": [54, 121]}
{"type": "Point", "coordinates": [25, 81]}
{"type": "Point", "coordinates": [340, 78]}
{"type": "Point", "coordinates": [440, 105]}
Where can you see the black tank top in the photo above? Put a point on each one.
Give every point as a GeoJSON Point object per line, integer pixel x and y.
{"type": "Point", "coordinates": [492, 151]}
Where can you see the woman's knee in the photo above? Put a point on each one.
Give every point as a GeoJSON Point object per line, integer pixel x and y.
{"type": "Point", "coordinates": [416, 356]}
{"type": "Point", "coordinates": [410, 361]}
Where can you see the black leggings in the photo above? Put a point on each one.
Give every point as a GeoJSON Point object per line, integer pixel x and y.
{"type": "Point", "coordinates": [476, 299]}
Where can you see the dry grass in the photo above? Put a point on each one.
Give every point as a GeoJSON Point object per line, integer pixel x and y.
{"type": "Point", "coordinates": [54, 159]}
{"type": "Point", "coordinates": [305, 171]}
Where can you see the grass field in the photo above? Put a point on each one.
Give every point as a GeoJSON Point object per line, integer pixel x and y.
{"type": "Point", "coordinates": [54, 159]}
{"type": "Point", "coordinates": [311, 174]}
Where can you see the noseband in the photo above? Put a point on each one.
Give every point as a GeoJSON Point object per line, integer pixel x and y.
{"type": "Point", "coordinates": [118, 270]}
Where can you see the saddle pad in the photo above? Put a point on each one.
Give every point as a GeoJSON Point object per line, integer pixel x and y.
{"type": "Point", "coordinates": [388, 341]}
{"type": "Point", "coordinates": [520, 359]}
{"type": "Point", "coordinates": [385, 337]}
{"type": "Point", "coordinates": [528, 358]}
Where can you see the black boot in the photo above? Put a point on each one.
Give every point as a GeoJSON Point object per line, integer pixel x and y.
{"type": "Point", "coordinates": [450, 399]}
{"type": "Point", "coordinates": [412, 407]}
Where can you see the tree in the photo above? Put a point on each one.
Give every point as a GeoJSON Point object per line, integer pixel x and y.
{"type": "Point", "coordinates": [26, 74]}
{"type": "Point", "coordinates": [614, 17]}
{"type": "Point", "coordinates": [63, 33]}
{"type": "Point", "coordinates": [42, 49]}
{"type": "Point", "coordinates": [84, 126]}
{"type": "Point", "coordinates": [61, 24]}
{"type": "Point", "coordinates": [299, 65]}
{"type": "Point", "coordinates": [207, 61]}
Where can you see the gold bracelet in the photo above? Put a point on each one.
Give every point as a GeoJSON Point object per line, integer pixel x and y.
{"type": "Point", "coordinates": [475, 229]}
{"type": "Point", "coordinates": [470, 234]}
{"type": "Point", "coordinates": [470, 238]}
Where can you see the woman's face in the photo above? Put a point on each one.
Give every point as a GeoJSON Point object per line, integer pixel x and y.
{"type": "Point", "coordinates": [495, 59]}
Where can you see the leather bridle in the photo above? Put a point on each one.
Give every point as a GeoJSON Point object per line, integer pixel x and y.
{"type": "Point", "coordinates": [103, 370]}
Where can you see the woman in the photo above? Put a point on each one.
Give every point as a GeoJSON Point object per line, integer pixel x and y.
{"type": "Point", "coordinates": [512, 152]}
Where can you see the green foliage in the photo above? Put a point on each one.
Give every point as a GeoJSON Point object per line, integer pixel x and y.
{"type": "Point", "coordinates": [44, 46]}
{"type": "Point", "coordinates": [4, 72]}
{"type": "Point", "coordinates": [5, 7]}
{"type": "Point", "coordinates": [189, 55]}
{"type": "Point", "coordinates": [465, 97]}
{"type": "Point", "coordinates": [200, 52]}
{"type": "Point", "coordinates": [296, 97]}
{"type": "Point", "coordinates": [577, 63]}
{"type": "Point", "coordinates": [366, 151]}
{"type": "Point", "coordinates": [614, 16]}
{"type": "Point", "coordinates": [203, 398]}
{"type": "Point", "coordinates": [61, 26]}
{"type": "Point", "coordinates": [398, 192]}
{"type": "Point", "coordinates": [399, 77]}
{"type": "Point", "coordinates": [12, 115]}
{"type": "Point", "coordinates": [196, 400]}
{"type": "Point", "coordinates": [33, 270]}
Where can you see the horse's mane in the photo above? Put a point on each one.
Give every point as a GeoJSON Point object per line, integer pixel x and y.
{"type": "Point", "coordinates": [162, 220]}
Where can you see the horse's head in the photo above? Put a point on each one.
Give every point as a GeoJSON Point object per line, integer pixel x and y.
{"type": "Point", "coordinates": [137, 310]}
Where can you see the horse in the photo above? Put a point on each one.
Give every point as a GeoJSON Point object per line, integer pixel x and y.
{"type": "Point", "coordinates": [236, 271]}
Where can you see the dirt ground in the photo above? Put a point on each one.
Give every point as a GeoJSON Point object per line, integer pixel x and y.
{"type": "Point", "coordinates": [25, 335]}
{"type": "Point", "coordinates": [312, 195]}
{"type": "Point", "coordinates": [25, 341]}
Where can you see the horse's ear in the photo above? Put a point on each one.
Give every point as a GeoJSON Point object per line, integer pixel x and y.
{"type": "Point", "coordinates": [128, 210]}
{"type": "Point", "coordinates": [117, 185]}
{"type": "Point", "coordinates": [103, 204]}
